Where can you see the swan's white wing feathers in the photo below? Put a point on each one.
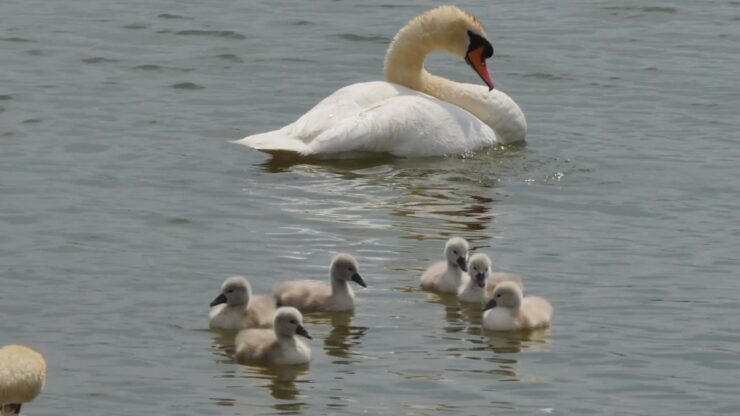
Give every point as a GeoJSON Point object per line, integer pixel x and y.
{"type": "Point", "coordinates": [406, 125]}
{"type": "Point", "coordinates": [344, 104]}
{"type": "Point", "coordinates": [379, 117]}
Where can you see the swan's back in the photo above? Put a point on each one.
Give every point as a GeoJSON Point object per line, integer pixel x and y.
{"type": "Point", "coordinates": [304, 295]}
{"type": "Point", "coordinates": [379, 117]}
{"type": "Point", "coordinates": [256, 345]}
{"type": "Point", "coordinates": [535, 312]}
{"type": "Point", "coordinates": [260, 313]}
{"type": "Point", "coordinates": [22, 374]}
{"type": "Point", "coordinates": [432, 275]}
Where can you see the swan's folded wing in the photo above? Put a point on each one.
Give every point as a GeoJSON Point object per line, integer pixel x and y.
{"type": "Point", "coordinates": [344, 104]}
{"type": "Point", "coordinates": [406, 125]}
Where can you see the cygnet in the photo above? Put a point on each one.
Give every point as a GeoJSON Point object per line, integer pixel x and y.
{"type": "Point", "coordinates": [472, 287]}
{"type": "Point", "coordinates": [315, 296]}
{"type": "Point", "coordinates": [446, 276]}
{"type": "Point", "coordinates": [277, 346]}
{"type": "Point", "coordinates": [509, 310]}
{"type": "Point", "coordinates": [236, 308]}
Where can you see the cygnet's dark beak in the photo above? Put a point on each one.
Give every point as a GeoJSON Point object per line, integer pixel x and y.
{"type": "Point", "coordinates": [219, 300]}
{"type": "Point", "coordinates": [480, 278]}
{"type": "Point", "coordinates": [358, 279]}
{"type": "Point", "coordinates": [302, 332]}
{"type": "Point", "coordinates": [463, 265]}
{"type": "Point", "coordinates": [490, 305]}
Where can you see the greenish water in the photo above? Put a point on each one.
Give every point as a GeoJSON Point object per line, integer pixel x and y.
{"type": "Point", "coordinates": [123, 207]}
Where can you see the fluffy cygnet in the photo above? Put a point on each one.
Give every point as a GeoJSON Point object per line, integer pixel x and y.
{"type": "Point", "coordinates": [278, 345]}
{"type": "Point", "coordinates": [314, 296]}
{"type": "Point", "coordinates": [22, 376]}
{"type": "Point", "coordinates": [509, 310]}
{"type": "Point", "coordinates": [472, 288]}
{"type": "Point", "coordinates": [446, 276]}
{"type": "Point", "coordinates": [236, 308]}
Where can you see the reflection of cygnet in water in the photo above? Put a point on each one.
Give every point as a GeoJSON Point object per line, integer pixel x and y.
{"type": "Point", "coordinates": [446, 276]}
{"type": "Point", "coordinates": [509, 310]}
{"type": "Point", "coordinates": [472, 287]}
{"type": "Point", "coordinates": [508, 342]}
{"type": "Point", "coordinates": [22, 376]}
{"type": "Point", "coordinates": [314, 296]}
{"type": "Point", "coordinates": [281, 379]}
{"type": "Point", "coordinates": [236, 308]}
{"type": "Point", "coordinates": [343, 337]}
{"type": "Point", "coordinates": [275, 346]}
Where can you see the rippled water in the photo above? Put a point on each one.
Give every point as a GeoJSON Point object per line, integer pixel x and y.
{"type": "Point", "coordinates": [123, 206]}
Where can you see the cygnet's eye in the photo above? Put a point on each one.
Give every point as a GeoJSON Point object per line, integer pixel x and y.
{"type": "Point", "coordinates": [230, 291]}
{"type": "Point", "coordinates": [292, 321]}
{"type": "Point", "coordinates": [454, 251]}
{"type": "Point", "coordinates": [351, 269]}
{"type": "Point", "coordinates": [498, 296]}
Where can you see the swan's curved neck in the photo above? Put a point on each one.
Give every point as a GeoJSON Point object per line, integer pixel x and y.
{"type": "Point", "coordinates": [404, 61]}
{"type": "Point", "coordinates": [404, 65]}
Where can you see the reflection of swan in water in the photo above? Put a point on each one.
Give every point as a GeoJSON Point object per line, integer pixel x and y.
{"type": "Point", "coordinates": [223, 344]}
{"type": "Point", "coordinates": [436, 198]}
{"type": "Point", "coordinates": [514, 342]}
{"type": "Point", "coordinates": [460, 316]}
{"type": "Point", "coordinates": [281, 382]}
{"type": "Point", "coordinates": [344, 338]}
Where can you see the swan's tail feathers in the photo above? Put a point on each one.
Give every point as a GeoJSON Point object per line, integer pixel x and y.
{"type": "Point", "coordinates": [274, 142]}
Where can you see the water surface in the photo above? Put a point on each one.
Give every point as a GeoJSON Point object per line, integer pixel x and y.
{"type": "Point", "coordinates": [123, 207]}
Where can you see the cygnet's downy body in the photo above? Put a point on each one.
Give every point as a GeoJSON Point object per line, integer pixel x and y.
{"type": "Point", "coordinates": [316, 296]}
{"type": "Point", "coordinates": [236, 308]}
{"type": "Point", "coordinates": [446, 276]}
{"type": "Point", "coordinates": [473, 286]}
{"type": "Point", "coordinates": [509, 310]}
{"type": "Point", "coordinates": [22, 376]}
{"type": "Point", "coordinates": [277, 346]}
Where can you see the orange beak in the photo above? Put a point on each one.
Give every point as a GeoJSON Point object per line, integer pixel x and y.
{"type": "Point", "coordinates": [475, 59]}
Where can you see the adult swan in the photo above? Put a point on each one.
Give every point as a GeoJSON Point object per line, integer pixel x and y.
{"type": "Point", "coordinates": [412, 113]}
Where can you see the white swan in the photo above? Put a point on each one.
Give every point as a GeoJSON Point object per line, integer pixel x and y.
{"type": "Point", "coordinates": [236, 308]}
{"type": "Point", "coordinates": [509, 310]}
{"type": "Point", "coordinates": [22, 376]}
{"type": "Point", "coordinates": [275, 346]}
{"type": "Point", "coordinates": [446, 276]}
{"type": "Point", "coordinates": [412, 113]}
{"type": "Point", "coordinates": [315, 296]}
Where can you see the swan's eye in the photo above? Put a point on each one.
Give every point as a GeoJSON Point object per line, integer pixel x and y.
{"type": "Point", "coordinates": [454, 251]}
{"type": "Point", "coordinates": [351, 269]}
{"type": "Point", "coordinates": [292, 321]}
{"type": "Point", "coordinates": [498, 296]}
{"type": "Point", "coordinates": [230, 291]}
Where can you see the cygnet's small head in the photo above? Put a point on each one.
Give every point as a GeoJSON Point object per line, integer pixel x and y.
{"type": "Point", "coordinates": [289, 322]}
{"type": "Point", "coordinates": [234, 291]}
{"type": "Point", "coordinates": [506, 295]}
{"type": "Point", "coordinates": [479, 267]}
{"type": "Point", "coordinates": [344, 267]}
{"type": "Point", "coordinates": [456, 252]}
{"type": "Point", "coordinates": [463, 36]}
